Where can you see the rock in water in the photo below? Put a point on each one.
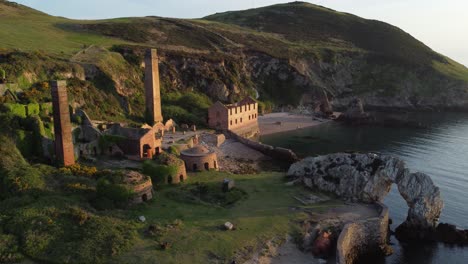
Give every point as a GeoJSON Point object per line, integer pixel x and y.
{"type": "Point", "coordinates": [423, 198]}
{"type": "Point", "coordinates": [355, 114]}
{"type": "Point", "coordinates": [368, 178]}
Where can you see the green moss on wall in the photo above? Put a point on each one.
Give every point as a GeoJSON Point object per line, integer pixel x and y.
{"type": "Point", "coordinates": [17, 109]}
{"type": "Point", "coordinates": [159, 173]}
{"type": "Point", "coordinates": [32, 109]}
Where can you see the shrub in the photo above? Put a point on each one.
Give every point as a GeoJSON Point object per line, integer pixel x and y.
{"type": "Point", "coordinates": [33, 109]}
{"type": "Point", "coordinates": [188, 108]}
{"type": "Point", "coordinates": [207, 194]}
{"type": "Point", "coordinates": [9, 251]}
{"type": "Point", "coordinates": [25, 142]}
{"type": "Point", "coordinates": [46, 109]}
{"type": "Point", "coordinates": [195, 102]}
{"type": "Point", "coordinates": [173, 150]}
{"type": "Point", "coordinates": [52, 232]}
{"type": "Point", "coordinates": [159, 173]}
{"type": "Point", "coordinates": [79, 215]}
{"type": "Point", "coordinates": [17, 109]}
{"type": "Point", "coordinates": [80, 170]}
{"type": "Point", "coordinates": [110, 186]}
{"type": "Point", "coordinates": [38, 131]}
{"type": "Point", "coordinates": [16, 175]}
{"type": "Point", "coordinates": [265, 107]}
{"type": "Point", "coordinates": [118, 193]}
{"type": "Point", "coordinates": [180, 115]}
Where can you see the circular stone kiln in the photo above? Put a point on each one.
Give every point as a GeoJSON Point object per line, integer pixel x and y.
{"type": "Point", "coordinates": [199, 158]}
{"type": "Point", "coordinates": [141, 185]}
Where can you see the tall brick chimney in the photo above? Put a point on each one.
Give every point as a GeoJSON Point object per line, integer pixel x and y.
{"type": "Point", "coordinates": [152, 88]}
{"type": "Point", "coordinates": [62, 126]}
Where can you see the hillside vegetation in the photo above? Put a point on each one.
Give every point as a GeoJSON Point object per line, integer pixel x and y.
{"type": "Point", "coordinates": [288, 54]}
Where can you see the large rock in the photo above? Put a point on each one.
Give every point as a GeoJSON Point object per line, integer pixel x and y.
{"type": "Point", "coordinates": [423, 198]}
{"type": "Point", "coordinates": [368, 178]}
{"type": "Point", "coordinates": [355, 113]}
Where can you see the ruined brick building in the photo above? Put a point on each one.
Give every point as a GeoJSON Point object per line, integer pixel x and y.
{"type": "Point", "coordinates": [112, 139]}
{"type": "Point", "coordinates": [240, 118]}
{"type": "Point", "coordinates": [136, 143]}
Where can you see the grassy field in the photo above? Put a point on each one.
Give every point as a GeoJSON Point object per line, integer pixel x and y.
{"type": "Point", "coordinates": [51, 215]}
{"type": "Point", "coordinates": [266, 213]}
{"type": "Point", "coordinates": [30, 30]}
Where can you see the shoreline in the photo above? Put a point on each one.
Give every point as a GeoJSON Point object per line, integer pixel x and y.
{"type": "Point", "coordinates": [275, 123]}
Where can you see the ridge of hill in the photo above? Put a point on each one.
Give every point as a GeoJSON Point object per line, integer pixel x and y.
{"type": "Point", "coordinates": [288, 54]}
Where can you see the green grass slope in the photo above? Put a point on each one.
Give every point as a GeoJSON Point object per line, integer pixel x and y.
{"type": "Point", "coordinates": [317, 26]}
{"type": "Point", "coordinates": [309, 24]}
{"type": "Point", "coordinates": [293, 32]}
{"type": "Point", "coordinates": [27, 29]}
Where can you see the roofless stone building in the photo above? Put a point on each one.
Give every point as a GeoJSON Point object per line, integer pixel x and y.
{"type": "Point", "coordinates": [64, 150]}
{"type": "Point", "coordinates": [240, 118]}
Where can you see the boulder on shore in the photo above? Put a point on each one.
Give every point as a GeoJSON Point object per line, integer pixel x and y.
{"type": "Point", "coordinates": [355, 114]}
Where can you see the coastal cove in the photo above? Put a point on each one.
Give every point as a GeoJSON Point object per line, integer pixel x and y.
{"type": "Point", "coordinates": [438, 150]}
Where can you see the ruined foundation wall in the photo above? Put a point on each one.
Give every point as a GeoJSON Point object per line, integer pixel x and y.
{"type": "Point", "coordinates": [363, 237]}
{"type": "Point", "coordinates": [271, 151]}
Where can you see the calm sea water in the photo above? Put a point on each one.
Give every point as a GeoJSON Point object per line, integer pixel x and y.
{"type": "Point", "coordinates": [440, 150]}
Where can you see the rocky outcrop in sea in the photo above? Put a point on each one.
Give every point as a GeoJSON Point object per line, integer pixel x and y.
{"type": "Point", "coordinates": [368, 178]}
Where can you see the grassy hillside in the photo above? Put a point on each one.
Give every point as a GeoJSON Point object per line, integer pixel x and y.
{"type": "Point", "coordinates": [282, 51]}
{"type": "Point", "coordinates": [311, 25]}
{"type": "Point", "coordinates": [26, 29]}
{"type": "Point", "coordinates": [51, 215]}
{"type": "Point", "coordinates": [318, 27]}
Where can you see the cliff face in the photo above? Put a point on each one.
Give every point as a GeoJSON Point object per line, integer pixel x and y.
{"type": "Point", "coordinates": [302, 81]}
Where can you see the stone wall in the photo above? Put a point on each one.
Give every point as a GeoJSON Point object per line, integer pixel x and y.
{"type": "Point", "coordinates": [220, 139]}
{"type": "Point", "coordinates": [251, 130]}
{"type": "Point", "coordinates": [274, 152]}
{"type": "Point", "coordinates": [363, 237]}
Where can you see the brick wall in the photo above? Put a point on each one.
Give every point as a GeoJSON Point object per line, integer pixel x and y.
{"type": "Point", "coordinates": [63, 131]}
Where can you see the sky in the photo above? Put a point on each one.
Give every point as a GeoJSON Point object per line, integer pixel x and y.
{"type": "Point", "coordinates": [440, 24]}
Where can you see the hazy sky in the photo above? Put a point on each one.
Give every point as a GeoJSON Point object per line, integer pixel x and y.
{"type": "Point", "coordinates": [440, 24]}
